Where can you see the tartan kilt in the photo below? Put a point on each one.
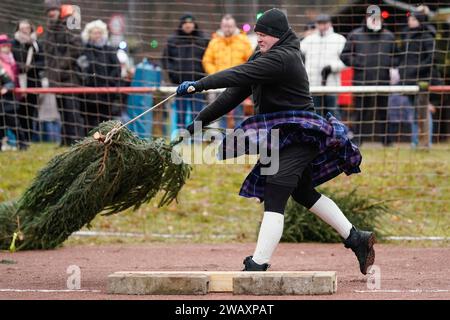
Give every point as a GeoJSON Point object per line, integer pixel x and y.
{"type": "Point", "coordinates": [337, 153]}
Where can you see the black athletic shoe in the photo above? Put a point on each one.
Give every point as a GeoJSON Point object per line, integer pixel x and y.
{"type": "Point", "coordinates": [361, 243]}
{"type": "Point", "coordinates": [251, 265]}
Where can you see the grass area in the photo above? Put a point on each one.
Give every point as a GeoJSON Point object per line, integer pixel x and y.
{"type": "Point", "coordinates": [416, 183]}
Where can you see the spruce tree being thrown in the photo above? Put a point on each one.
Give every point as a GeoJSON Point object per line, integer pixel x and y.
{"type": "Point", "coordinates": [91, 177]}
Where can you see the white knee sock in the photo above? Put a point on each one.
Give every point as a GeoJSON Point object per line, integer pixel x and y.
{"type": "Point", "coordinates": [328, 211]}
{"type": "Point", "coordinates": [269, 235]}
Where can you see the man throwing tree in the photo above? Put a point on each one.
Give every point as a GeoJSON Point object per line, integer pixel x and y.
{"type": "Point", "coordinates": [312, 149]}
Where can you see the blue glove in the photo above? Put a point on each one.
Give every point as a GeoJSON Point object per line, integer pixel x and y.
{"type": "Point", "coordinates": [182, 89]}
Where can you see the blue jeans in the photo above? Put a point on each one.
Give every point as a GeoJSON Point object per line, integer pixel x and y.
{"type": "Point", "coordinates": [326, 104]}
{"type": "Point", "coordinates": [422, 126]}
{"type": "Point", "coordinates": [187, 108]}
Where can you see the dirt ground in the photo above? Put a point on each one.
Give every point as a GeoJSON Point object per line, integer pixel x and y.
{"type": "Point", "coordinates": [406, 272]}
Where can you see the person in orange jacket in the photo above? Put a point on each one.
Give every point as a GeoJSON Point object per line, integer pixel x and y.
{"type": "Point", "coordinates": [229, 47]}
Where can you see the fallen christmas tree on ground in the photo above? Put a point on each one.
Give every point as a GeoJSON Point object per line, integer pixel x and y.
{"type": "Point", "coordinates": [91, 177]}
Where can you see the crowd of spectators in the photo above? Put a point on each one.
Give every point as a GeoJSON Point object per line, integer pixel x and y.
{"type": "Point", "coordinates": [62, 58]}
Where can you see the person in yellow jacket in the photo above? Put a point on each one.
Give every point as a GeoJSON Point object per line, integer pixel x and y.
{"type": "Point", "coordinates": [229, 47]}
